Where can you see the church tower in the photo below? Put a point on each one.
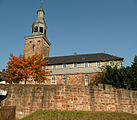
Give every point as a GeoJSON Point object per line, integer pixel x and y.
{"type": "Point", "coordinates": [37, 42]}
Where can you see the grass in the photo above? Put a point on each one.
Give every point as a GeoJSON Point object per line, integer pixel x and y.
{"type": "Point", "coordinates": [79, 115]}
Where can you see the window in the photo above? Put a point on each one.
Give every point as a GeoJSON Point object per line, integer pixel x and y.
{"type": "Point", "coordinates": [86, 64]}
{"type": "Point", "coordinates": [45, 32]}
{"type": "Point", "coordinates": [86, 80]}
{"type": "Point", "coordinates": [36, 29]}
{"type": "Point", "coordinates": [33, 48]}
{"type": "Point", "coordinates": [41, 29]}
{"type": "Point", "coordinates": [75, 65]}
{"type": "Point", "coordinates": [111, 63]}
{"type": "Point", "coordinates": [64, 79]}
{"type": "Point", "coordinates": [30, 41]}
{"type": "Point", "coordinates": [64, 66]}
{"type": "Point", "coordinates": [53, 81]}
{"type": "Point", "coordinates": [98, 64]}
{"type": "Point", "coordinates": [54, 67]}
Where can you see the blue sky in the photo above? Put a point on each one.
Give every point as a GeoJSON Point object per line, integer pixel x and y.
{"type": "Point", "coordinates": [82, 26]}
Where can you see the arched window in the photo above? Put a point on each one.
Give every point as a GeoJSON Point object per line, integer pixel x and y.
{"type": "Point", "coordinates": [41, 29]}
{"type": "Point", "coordinates": [35, 29]}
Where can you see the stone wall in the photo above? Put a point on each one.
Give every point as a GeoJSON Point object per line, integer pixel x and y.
{"type": "Point", "coordinates": [40, 47]}
{"type": "Point", "coordinates": [29, 98]}
{"type": "Point", "coordinates": [7, 113]}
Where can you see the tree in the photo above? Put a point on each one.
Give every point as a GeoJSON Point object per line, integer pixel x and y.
{"type": "Point", "coordinates": [0, 76]}
{"type": "Point", "coordinates": [124, 77]}
{"type": "Point", "coordinates": [21, 68]}
{"type": "Point", "coordinates": [134, 73]}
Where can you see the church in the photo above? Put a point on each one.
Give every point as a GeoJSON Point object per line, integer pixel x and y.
{"type": "Point", "coordinates": [76, 69]}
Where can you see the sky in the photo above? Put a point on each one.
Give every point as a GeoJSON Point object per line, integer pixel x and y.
{"type": "Point", "coordinates": [81, 26]}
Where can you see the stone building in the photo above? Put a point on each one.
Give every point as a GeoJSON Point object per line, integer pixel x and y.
{"type": "Point", "coordinates": [77, 69]}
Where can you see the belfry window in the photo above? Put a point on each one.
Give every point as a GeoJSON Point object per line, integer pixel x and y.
{"type": "Point", "coordinates": [41, 29]}
{"type": "Point", "coordinates": [35, 29]}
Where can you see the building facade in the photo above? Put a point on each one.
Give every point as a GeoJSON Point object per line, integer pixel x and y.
{"type": "Point", "coordinates": [77, 69]}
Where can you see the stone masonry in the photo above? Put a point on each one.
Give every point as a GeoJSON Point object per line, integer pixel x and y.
{"type": "Point", "coordinates": [29, 98]}
{"type": "Point", "coordinates": [36, 45]}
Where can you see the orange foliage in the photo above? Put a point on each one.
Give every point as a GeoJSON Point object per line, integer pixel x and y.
{"type": "Point", "coordinates": [20, 68]}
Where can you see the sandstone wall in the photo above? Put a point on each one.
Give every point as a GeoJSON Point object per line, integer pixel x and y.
{"type": "Point", "coordinates": [8, 113]}
{"type": "Point", "coordinates": [29, 98]}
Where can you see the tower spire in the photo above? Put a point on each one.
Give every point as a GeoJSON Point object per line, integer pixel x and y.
{"type": "Point", "coordinates": [37, 42]}
{"type": "Point", "coordinates": [39, 26]}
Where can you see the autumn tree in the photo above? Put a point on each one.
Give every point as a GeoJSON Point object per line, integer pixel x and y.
{"type": "Point", "coordinates": [21, 68]}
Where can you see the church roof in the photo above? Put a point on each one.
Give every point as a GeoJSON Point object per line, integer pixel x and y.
{"type": "Point", "coordinates": [80, 58]}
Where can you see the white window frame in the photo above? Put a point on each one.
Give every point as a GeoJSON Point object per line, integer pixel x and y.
{"type": "Point", "coordinates": [64, 79]}
{"type": "Point", "coordinates": [86, 63]}
{"type": "Point", "coordinates": [53, 76]}
{"type": "Point", "coordinates": [64, 65]}
{"type": "Point", "coordinates": [86, 80]}
{"type": "Point", "coordinates": [74, 65]}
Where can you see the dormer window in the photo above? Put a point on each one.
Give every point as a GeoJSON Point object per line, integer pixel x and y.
{"type": "Point", "coordinates": [41, 29]}
{"type": "Point", "coordinates": [35, 29]}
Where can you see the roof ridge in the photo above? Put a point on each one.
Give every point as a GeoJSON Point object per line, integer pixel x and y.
{"type": "Point", "coordinates": [79, 55]}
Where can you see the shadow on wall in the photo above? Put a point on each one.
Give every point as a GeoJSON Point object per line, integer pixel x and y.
{"type": "Point", "coordinates": [3, 95]}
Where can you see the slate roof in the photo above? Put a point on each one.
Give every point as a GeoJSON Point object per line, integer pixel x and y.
{"type": "Point", "coordinates": [80, 58]}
